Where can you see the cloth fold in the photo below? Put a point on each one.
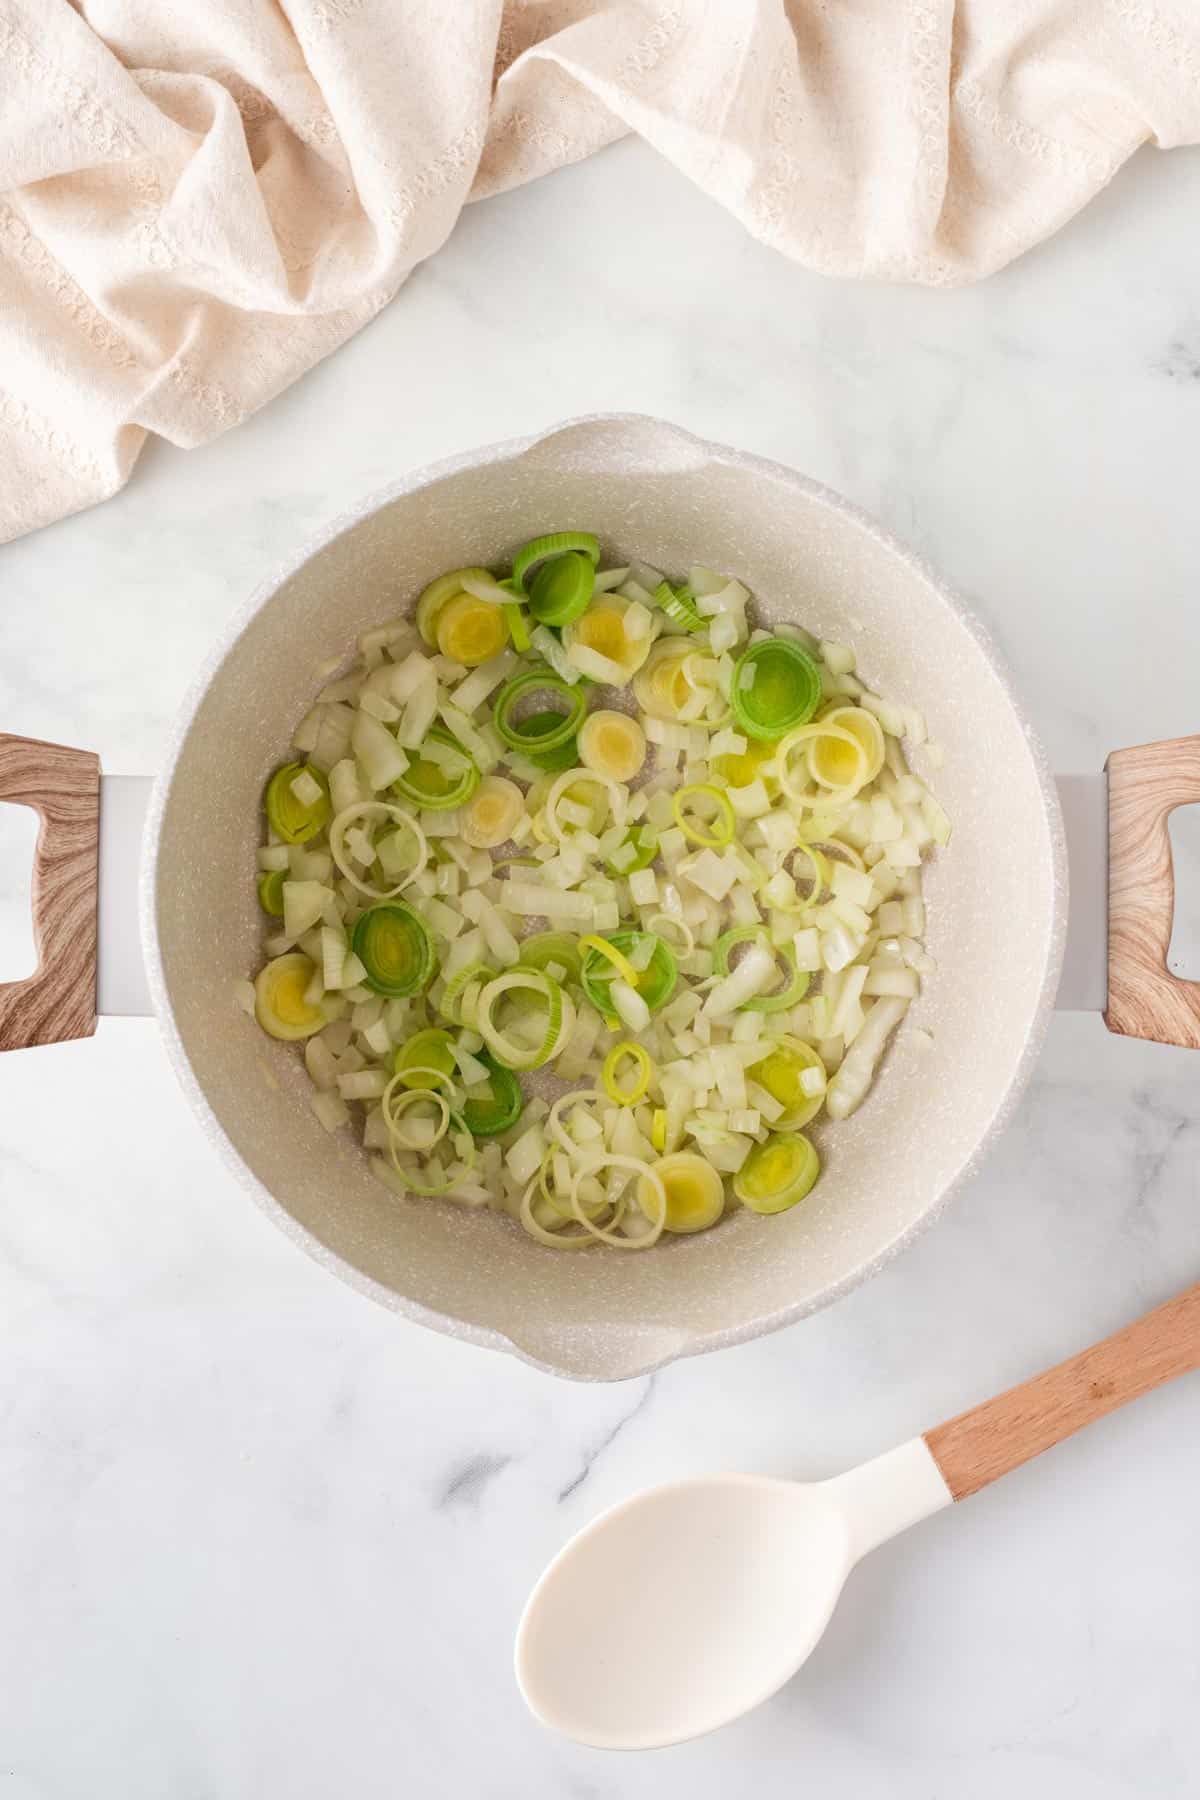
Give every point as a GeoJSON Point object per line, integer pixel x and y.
{"type": "Point", "coordinates": [198, 202]}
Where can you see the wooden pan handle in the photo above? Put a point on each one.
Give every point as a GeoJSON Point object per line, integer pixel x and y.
{"type": "Point", "coordinates": [991, 1439]}
{"type": "Point", "coordinates": [58, 1001]}
{"type": "Point", "coordinates": [1145, 785]}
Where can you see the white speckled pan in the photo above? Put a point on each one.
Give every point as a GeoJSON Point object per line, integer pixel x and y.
{"type": "Point", "coordinates": [654, 492]}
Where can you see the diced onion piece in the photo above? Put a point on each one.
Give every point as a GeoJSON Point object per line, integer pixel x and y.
{"type": "Point", "coordinates": [545, 902]}
{"type": "Point", "coordinates": [850, 1085]}
{"type": "Point", "coordinates": [596, 667]}
{"type": "Point", "coordinates": [329, 1108]}
{"type": "Point", "coordinates": [420, 710]}
{"type": "Point", "coordinates": [752, 975]}
{"type": "Point", "coordinates": [631, 1008]}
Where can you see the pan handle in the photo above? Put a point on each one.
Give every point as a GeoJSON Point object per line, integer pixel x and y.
{"type": "Point", "coordinates": [58, 1001]}
{"type": "Point", "coordinates": [1145, 785]}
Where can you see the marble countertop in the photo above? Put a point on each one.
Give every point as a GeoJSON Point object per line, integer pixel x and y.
{"type": "Point", "coordinates": [259, 1537]}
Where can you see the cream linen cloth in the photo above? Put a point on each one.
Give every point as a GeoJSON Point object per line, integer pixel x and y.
{"type": "Point", "coordinates": [199, 199]}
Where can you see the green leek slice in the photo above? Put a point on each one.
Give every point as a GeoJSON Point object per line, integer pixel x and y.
{"type": "Point", "coordinates": [777, 1174]}
{"type": "Point", "coordinates": [438, 594]}
{"type": "Point", "coordinates": [560, 1018]}
{"type": "Point", "coordinates": [540, 687]}
{"type": "Point", "coordinates": [656, 982]}
{"type": "Point", "coordinates": [279, 998]}
{"type": "Point", "coordinates": [546, 949]}
{"type": "Point", "coordinates": [471, 631]}
{"type": "Point", "coordinates": [561, 589]}
{"type": "Point", "coordinates": [394, 947]}
{"type": "Point", "coordinates": [488, 1117]}
{"type": "Point", "coordinates": [694, 1189]}
{"type": "Point", "coordinates": [518, 628]}
{"type": "Point", "coordinates": [429, 784]}
{"type": "Point", "coordinates": [776, 687]}
{"type": "Point", "coordinates": [270, 892]}
{"type": "Point", "coordinates": [554, 544]}
{"type": "Point", "coordinates": [679, 604]}
{"type": "Point", "coordinates": [288, 817]}
{"type": "Point", "coordinates": [780, 1073]}
{"type": "Point", "coordinates": [428, 1049]}
{"type": "Point", "coordinates": [563, 756]}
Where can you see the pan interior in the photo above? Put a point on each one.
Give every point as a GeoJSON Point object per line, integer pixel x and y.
{"type": "Point", "coordinates": [993, 898]}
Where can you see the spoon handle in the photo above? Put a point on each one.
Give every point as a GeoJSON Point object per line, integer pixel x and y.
{"type": "Point", "coordinates": [989, 1440]}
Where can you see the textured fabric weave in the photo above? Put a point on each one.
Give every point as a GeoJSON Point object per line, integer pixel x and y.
{"type": "Point", "coordinates": [199, 199]}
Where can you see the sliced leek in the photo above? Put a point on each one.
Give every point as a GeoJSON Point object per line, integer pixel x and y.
{"type": "Point", "coordinates": [440, 776]}
{"type": "Point", "coordinates": [600, 633]}
{"type": "Point", "coordinates": [376, 813]}
{"type": "Point", "coordinates": [270, 892]}
{"type": "Point", "coordinates": [545, 549]}
{"type": "Point", "coordinates": [426, 1051]}
{"type": "Point", "coordinates": [794, 1076]}
{"type": "Point", "coordinates": [553, 950]}
{"type": "Point", "coordinates": [529, 696]}
{"type": "Point", "coordinates": [729, 875]}
{"type": "Point", "coordinates": [296, 802]}
{"type": "Point", "coordinates": [438, 594]}
{"type": "Point", "coordinates": [393, 944]}
{"type": "Point", "coordinates": [695, 1192]}
{"type": "Point", "coordinates": [492, 814]}
{"type": "Point", "coordinates": [470, 631]}
{"type": "Point", "coordinates": [832, 761]}
{"type": "Point", "coordinates": [776, 686]}
{"type": "Point", "coordinates": [777, 1174]}
{"type": "Point", "coordinates": [713, 831]}
{"type": "Point", "coordinates": [610, 953]}
{"type": "Point", "coordinates": [654, 983]}
{"type": "Point", "coordinates": [553, 1019]}
{"type": "Point", "coordinates": [562, 588]}
{"type": "Point", "coordinates": [613, 744]}
{"type": "Point", "coordinates": [679, 604]}
{"type": "Point", "coordinates": [661, 686]}
{"type": "Point", "coordinates": [500, 1109]}
{"type": "Point", "coordinates": [791, 987]}
{"type": "Point", "coordinates": [281, 1005]}
{"type": "Point", "coordinates": [626, 1091]}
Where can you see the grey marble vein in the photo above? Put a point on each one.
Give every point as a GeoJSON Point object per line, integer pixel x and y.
{"type": "Point", "coordinates": [468, 1483]}
{"type": "Point", "coordinates": [593, 1452]}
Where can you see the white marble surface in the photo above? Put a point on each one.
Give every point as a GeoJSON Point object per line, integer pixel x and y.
{"type": "Point", "coordinates": [258, 1537]}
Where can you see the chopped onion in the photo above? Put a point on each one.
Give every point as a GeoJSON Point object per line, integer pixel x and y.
{"type": "Point", "coordinates": [813, 863]}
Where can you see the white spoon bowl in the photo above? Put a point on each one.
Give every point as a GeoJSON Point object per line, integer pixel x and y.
{"type": "Point", "coordinates": [682, 1608]}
